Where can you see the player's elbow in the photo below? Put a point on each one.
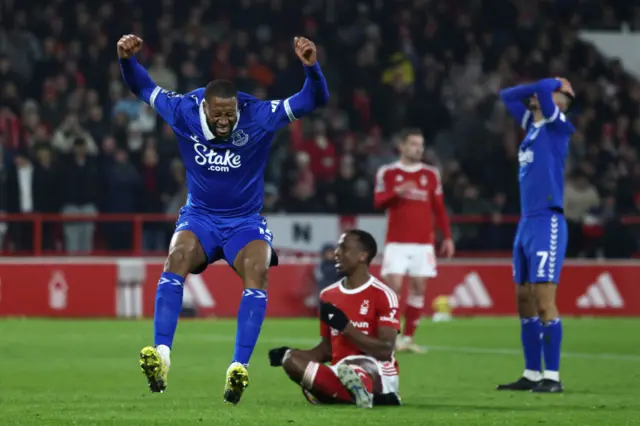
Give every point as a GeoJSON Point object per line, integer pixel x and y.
{"type": "Point", "coordinates": [322, 98]}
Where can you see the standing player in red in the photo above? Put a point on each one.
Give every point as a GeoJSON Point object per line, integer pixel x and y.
{"type": "Point", "coordinates": [411, 193]}
{"type": "Point", "coordinates": [359, 326]}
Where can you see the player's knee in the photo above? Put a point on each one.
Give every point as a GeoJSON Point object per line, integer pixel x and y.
{"type": "Point", "coordinates": [545, 297]}
{"type": "Point", "coordinates": [547, 310]}
{"type": "Point", "coordinates": [526, 301]}
{"type": "Point", "coordinates": [294, 365]}
{"type": "Point", "coordinates": [255, 272]}
{"type": "Point", "coordinates": [180, 258]}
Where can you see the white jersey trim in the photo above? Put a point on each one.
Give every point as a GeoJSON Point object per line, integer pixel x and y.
{"type": "Point", "coordinates": [289, 111]}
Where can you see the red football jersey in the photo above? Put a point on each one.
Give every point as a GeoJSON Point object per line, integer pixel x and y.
{"type": "Point", "coordinates": [409, 216]}
{"type": "Point", "coordinates": [368, 307]}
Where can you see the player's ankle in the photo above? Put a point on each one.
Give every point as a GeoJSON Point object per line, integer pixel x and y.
{"type": "Point", "coordinates": [533, 375]}
{"type": "Point", "coordinates": [165, 354]}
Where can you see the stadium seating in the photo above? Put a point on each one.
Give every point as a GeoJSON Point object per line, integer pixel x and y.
{"type": "Point", "coordinates": [434, 65]}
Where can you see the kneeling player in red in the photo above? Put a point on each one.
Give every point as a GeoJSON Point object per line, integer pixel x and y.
{"type": "Point", "coordinates": [359, 326]}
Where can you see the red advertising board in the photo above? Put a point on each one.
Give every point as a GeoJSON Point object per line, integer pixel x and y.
{"type": "Point", "coordinates": [97, 288]}
{"type": "Point", "coordinates": [57, 290]}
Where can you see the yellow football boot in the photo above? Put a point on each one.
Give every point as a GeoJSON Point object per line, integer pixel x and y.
{"type": "Point", "coordinates": [154, 368]}
{"type": "Point", "coordinates": [237, 382]}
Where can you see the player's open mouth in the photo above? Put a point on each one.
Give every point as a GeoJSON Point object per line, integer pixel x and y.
{"type": "Point", "coordinates": [222, 130]}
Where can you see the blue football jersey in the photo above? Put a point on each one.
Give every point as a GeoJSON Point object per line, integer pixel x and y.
{"type": "Point", "coordinates": [542, 156]}
{"type": "Point", "coordinates": [224, 177]}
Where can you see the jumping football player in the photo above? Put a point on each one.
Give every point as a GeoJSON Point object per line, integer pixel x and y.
{"type": "Point", "coordinates": [541, 238]}
{"type": "Point", "coordinates": [411, 192]}
{"type": "Point", "coordinates": [358, 328]}
{"type": "Point", "coordinates": [224, 138]}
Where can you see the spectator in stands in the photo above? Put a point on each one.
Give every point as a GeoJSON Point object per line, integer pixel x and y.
{"type": "Point", "coordinates": [271, 199]}
{"type": "Point", "coordinates": [580, 199]}
{"type": "Point", "coordinates": [352, 191]}
{"type": "Point", "coordinates": [78, 189]}
{"type": "Point", "coordinates": [20, 199]}
{"type": "Point", "coordinates": [70, 131]}
{"type": "Point", "coordinates": [390, 66]}
{"type": "Point", "coordinates": [45, 190]}
{"type": "Point", "coordinates": [324, 274]}
{"type": "Point", "coordinates": [122, 192]}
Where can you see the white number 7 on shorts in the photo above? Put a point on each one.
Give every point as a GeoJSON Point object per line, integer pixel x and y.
{"type": "Point", "coordinates": [543, 255]}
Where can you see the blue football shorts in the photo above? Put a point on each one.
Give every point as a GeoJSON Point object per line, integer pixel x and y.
{"type": "Point", "coordinates": [222, 238]}
{"type": "Point", "coordinates": [539, 248]}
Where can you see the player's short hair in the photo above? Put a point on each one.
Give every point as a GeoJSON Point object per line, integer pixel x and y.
{"type": "Point", "coordinates": [411, 131]}
{"type": "Point", "coordinates": [367, 241]}
{"type": "Point", "coordinates": [220, 89]}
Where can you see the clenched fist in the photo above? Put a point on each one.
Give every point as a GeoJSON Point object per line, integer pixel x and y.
{"type": "Point", "coordinates": [305, 50]}
{"type": "Point", "coordinates": [128, 46]}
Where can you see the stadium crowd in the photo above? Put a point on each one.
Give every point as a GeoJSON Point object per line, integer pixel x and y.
{"type": "Point", "coordinates": [69, 126]}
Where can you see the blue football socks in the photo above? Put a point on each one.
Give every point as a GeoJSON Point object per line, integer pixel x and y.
{"type": "Point", "coordinates": [168, 307]}
{"type": "Point", "coordinates": [551, 348]}
{"type": "Point", "coordinates": [253, 308]}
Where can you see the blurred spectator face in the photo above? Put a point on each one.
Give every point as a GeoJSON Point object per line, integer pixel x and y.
{"type": "Point", "coordinates": [581, 182]}
{"type": "Point", "coordinates": [303, 190]}
{"type": "Point", "coordinates": [349, 144]}
{"type": "Point", "coordinates": [31, 119]}
{"type": "Point", "coordinates": [329, 254]}
{"type": "Point", "coordinates": [500, 199]}
{"type": "Point", "coordinates": [188, 69]}
{"type": "Point", "coordinates": [21, 161]}
{"type": "Point", "coordinates": [41, 133]}
{"type": "Point", "coordinates": [121, 119]}
{"type": "Point", "coordinates": [281, 62]}
{"type": "Point", "coordinates": [71, 122]}
{"type": "Point", "coordinates": [471, 193]}
{"type": "Point", "coordinates": [92, 98]}
{"type": "Point", "coordinates": [347, 169]}
{"type": "Point", "coordinates": [80, 147]}
{"type": "Point", "coordinates": [252, 60]}
{"type": "Point", "coordinates": [5, 65]}
{"type": "Point", "coordinates": [121, 156]}
{"type": "Point", "coordinates": [159, 61]}
{"type": "Point", "coordinates": [108, 145]}
{"type": "Point", "coordinates": [319, 128]}
{"type": "Point", "coordinates": [150, 157]}
{"type": "Point", "coordinates": [412, 148]}
{"type": "Point", "coordinates": [95, 113]}
{"type": "Point", "coordinates": [44, 157]}
{"type": "Point", "coordinates": [302, 160]}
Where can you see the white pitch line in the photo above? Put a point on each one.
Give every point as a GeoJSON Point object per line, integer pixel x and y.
{"type": "Point", "coordinates": [448, 349]}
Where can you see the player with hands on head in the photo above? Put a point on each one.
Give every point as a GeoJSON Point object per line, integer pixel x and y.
{"type": "Point", "coordinates": [411, 193]}
{"type": "Point", "coordinates": [224, 137]}
{"type": "Point", "coordinates": [541, 238]}
{"type": "Point", "coordinates": [358, 329]}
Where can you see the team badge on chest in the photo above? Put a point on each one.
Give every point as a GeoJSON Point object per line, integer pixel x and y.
{"type": "Point", "coordinates": [239, 138]}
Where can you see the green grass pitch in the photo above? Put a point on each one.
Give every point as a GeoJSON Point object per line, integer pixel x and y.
{"type": "Point", "coordinates": [57, 372]}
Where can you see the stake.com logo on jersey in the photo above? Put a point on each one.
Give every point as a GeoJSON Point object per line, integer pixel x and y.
{"type": "Point", "coordinates": [216, 161]}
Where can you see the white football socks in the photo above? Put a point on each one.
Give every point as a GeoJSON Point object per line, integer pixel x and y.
{"type": "Point", "coordinates": [165, 354]}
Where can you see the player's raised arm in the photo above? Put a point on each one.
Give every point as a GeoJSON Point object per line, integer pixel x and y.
{"type": "Point", "coordinates": [314, 93]}
{"type": "Point", "coordinates": [516, 97]}
{"type": "Point", "coordinates": [138, 80]}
